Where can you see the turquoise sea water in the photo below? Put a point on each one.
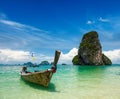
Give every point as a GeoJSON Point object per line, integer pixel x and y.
{"type": "Point", "coordinates": [70, 82]}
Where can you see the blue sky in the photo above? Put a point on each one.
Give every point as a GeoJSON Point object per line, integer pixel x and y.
{"type": "Point", "coordinates": [42, 26]}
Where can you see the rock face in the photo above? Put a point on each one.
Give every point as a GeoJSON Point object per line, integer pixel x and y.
{"type": "Point", "coordinates": [90, 51]}
{"type": "Point", "coordinates": [44, 63]}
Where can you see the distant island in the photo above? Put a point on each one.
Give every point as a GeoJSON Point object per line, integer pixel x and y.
{"type": "Point", "coordinates": [90, 51]}
{"type": "Point", "coordinates": [44, 63]}
{"type": "Point", "coordinates": [30, 64]}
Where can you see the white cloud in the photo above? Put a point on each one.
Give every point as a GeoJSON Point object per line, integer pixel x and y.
{"type": "Point", "coordinates": [19, 26]}
{"type": "Point", "coordinates": [67, 58]}
{"type": "Point", "coordinates": [90, 22]}
{"type": "Point", "coordinates": [11, 23]}
{"type": "Point", "coordinates": [114, 55]}
{"type": "Point", "coordinates": [13, 56]}
{"type": "Point", "coordinates": [103, 20]}
{"type": "Point", "coordinates": [8, 56]}
{"type": "Point", "coordinates": [27, 36]}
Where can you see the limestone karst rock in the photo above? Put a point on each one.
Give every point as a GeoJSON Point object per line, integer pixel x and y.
{"type": "Point", "coordinates": [90, 51]}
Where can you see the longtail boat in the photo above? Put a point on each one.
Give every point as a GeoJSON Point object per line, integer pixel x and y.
{"type": "Point", "coordinates": [42, 77]}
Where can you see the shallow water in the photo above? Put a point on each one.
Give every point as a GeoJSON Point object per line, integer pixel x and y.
{"type": "Point", "coordinates": [70, 82]}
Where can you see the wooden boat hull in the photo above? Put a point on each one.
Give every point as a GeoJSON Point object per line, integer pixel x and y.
{"type": "Point", "coordinates": [42, 78]}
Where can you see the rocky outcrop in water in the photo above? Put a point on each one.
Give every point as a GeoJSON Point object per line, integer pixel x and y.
{"type": "Point", "coordinates": [90, 51]}
{"type": "Point", "coordinates": [44, 63]}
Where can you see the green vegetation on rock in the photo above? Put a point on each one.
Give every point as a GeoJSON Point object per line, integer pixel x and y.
{"type": "Point", "coordinates": [76, 60]}
{"type": "Point", "coordinates": [106, 60]}
{"type": "Point", "coordinates": [90, 51]}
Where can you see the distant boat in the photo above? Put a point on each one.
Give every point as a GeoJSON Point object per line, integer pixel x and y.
{"type": "Point", "coordinates": [64, 64]}
{"type": "Point", "coordinates": [42, 77]}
